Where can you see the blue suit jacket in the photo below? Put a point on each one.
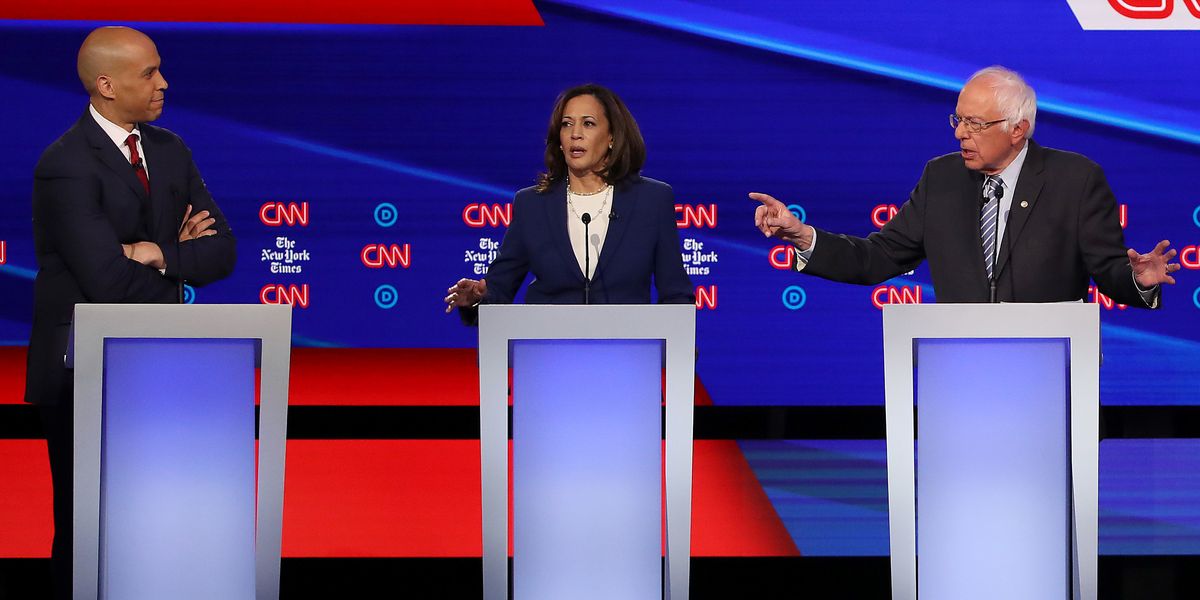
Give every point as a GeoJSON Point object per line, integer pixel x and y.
{"type": "Point", "coordinates": [641, 248]}
{"type": "Point", "coordinates": [87, 201]}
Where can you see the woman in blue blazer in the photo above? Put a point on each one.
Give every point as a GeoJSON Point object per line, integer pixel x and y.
{"type": "Point", "coordinates": [592, 191]}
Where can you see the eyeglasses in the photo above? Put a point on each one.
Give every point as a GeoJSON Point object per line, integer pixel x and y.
{"type": "Point", "coordinates": [973, 125]}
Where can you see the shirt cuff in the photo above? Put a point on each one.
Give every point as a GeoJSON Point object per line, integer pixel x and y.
{"type": "Point", "coordinates": [1150, 296]}
{"type": "Point", "coordinates": [803, 256]}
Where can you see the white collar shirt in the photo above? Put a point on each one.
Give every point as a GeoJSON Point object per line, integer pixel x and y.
{"type": "Point", "coordinates": [118, 135]}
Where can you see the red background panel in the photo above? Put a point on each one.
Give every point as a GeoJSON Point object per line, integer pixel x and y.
{"type": "Point", "coordinates": [385, 12]}
{"type": "Point", "coordinates": [12, 374]}
{"type": "Point", "coordinates": [382, 498]}
{"type": "Point", "coordinates": [394, 498]}
{"type": "Point", "coordinates": [731, 514]}
{"type": "Point", "coordinates": [26, 521]}
{"type": "Point", "coordinates": [406, 498]}
{"type": "Point", "coordinates": [417, 498]}
{"type": "Point", "coordinates": [384, 376]}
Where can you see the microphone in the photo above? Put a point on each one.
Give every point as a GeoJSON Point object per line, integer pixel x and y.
{"type": "Point", "coordinates": [613, 216]}
{"type": "Point", "coordinates": [587, 263]}
{"type": "Point", "coordinates": [178, 249]}
{"type": "Point", "coordinates": [999, 195]}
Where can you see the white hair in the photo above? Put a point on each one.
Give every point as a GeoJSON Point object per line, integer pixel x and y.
{"type": "Point", "coordinates": [1015, 99]}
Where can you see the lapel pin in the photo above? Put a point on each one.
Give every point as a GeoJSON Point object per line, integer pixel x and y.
{"type": "Point", "coordinates": [1024, 204]}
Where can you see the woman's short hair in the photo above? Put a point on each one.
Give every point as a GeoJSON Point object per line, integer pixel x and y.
{"type": "Point", "coordinates": [628, 152]}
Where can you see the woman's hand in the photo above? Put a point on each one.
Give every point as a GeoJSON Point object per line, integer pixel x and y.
{"type": "Point", "coordinates": [465, 293]}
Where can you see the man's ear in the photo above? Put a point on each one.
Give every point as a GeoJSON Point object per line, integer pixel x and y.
{"type": "Point", "coordinates": [104, 86]}
{"type": "Point", "coordinates": [1017, 132]}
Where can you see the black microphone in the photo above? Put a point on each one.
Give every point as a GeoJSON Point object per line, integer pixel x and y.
{"type": "Point", "coordinates": [983, 200]}
{"type": "Point", "coordinates": [613, 216]}
{"type": "Point", "coordinates": [587, 263]}
{"type": "Point", "coordinates": [178, 249]}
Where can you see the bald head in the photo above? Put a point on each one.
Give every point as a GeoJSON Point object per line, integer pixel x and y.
{"type": "Point", "coordinates": [119, 68]}
{"type": "Point", "coordinates": [106, 50]}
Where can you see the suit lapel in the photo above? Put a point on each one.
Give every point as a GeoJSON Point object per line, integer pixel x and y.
{"type": "Point", "coordinates": [112, 158]}
{"type": "Point", "coordinates": [556, 220]}
{"type": "Point", "coordinates": [1029, 187]}
{"type": "Point", "coordinates": [623, 204]}
{"type": "Point", "coordinates": [972, 193]}
{"type": "Point", "coordinates": [163, 210]}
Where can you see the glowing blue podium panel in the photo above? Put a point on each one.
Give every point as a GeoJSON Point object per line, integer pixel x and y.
{"type": "Point", "coordinates": [166, 503]}
{"type": "Point", "coordinates": [1004, 468]}
{"type": "Point", "coordinates": [588, 472]}
{"type": "Point", "coordinates": [587, 469]}
{"type": "Point", "coordinates": [177, 464]}
{"type": "Point", "coordinates": [993, 471]}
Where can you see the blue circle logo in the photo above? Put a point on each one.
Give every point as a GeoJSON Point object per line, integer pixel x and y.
{"type": "Point", "coordinates": [189, 294]}
{"type": "Point", "coordinates": [798, 211]}
{"type": "Point", "coordinates": [386, 214]}
{"type": "Point", "coordinates": [1196, 216]}
{"type": "Point", "coordinates": [386, 296]}
{"type": "Point", "coordinates": [1196, 297]}
{"type": "Point", "coordinates": [794, 297]}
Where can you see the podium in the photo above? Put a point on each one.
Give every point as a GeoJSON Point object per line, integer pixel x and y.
{"type": "Point", "coordinates": [165, 459]}
{"type": "Point", "coordinates": [587, 449]}
{"type": "Point", "coordinates": [1001, 501]}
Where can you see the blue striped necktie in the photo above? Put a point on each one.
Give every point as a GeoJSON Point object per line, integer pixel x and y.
{"type": "Point", "coordinates": [987, 221]}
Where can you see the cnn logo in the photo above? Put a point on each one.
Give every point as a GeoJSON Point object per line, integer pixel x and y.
{"type": "Point", "coordinates": [487, 215]}
{"type": "Point", "coordinates": [1136, 14]}
{"type": "Point", "coordinates": [698, 216]}
{"type": "Point", "coordinates": [1152, 9]}
{"type": "Point", "coordinates": [892, 294]}
{"type": "Point", "coordinates": [277, 214]}
{"type": "Point", "coordinates": [274, 293]}
{"type": "Point", "coordinates": [376, 256]}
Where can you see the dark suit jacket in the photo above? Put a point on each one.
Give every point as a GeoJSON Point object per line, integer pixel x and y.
{"type": "Point", "coordinates": [1063, 229]}
{"type": "Point", "coordinates": [641, 246]}
{"type": "Point", "coordinates": [87, 201]}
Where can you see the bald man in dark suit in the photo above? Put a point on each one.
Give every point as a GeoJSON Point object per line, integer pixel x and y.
{"type": "Point", "coordinates": [120, 214]}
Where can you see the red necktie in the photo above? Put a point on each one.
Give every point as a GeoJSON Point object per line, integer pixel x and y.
{"type": "Point", "coordinates": [136, 161]}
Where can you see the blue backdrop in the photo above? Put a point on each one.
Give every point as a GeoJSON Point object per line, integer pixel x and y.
{"type": "Point", "coordinates": [366, 168]}
{"type": "Point", "coordinates": [389, 135]}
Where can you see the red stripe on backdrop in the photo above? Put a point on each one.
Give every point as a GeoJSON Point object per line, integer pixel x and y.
{"type": "Point", "coordinates": [731, 514]}
{"type": "Point", "coordinates": [12, 374]}
{"type": "Point", "coordinates": [26, 518]}
{"type": "Point", "coordinates": [382, 498]}
{"type": "Point", "coordinates": [420, 498]}
{"type": "Point", "coordinates": [384, 377]}
{"type": "Point", "coordinates": [400, 498]}
{"type": "Point", "coordinates": [406, 498]}
{"type": "Point", "coordinates": [361, 12]}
